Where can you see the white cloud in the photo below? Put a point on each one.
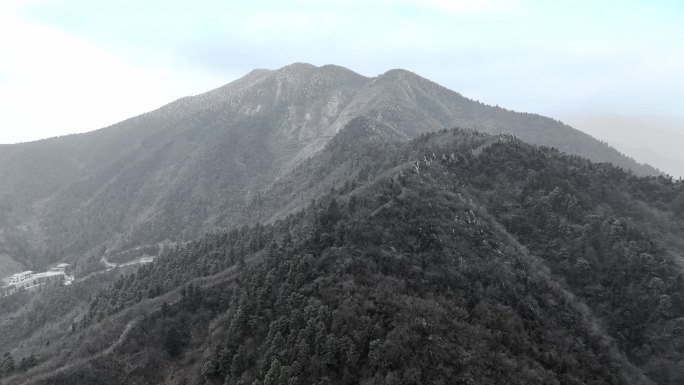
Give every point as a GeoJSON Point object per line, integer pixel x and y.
{"type": "Point", "coordinates": [443, 5]}
{"type": "Point", "coordinates": [54, 82]}
{"type": "Point", "coordinates": [471, 5]}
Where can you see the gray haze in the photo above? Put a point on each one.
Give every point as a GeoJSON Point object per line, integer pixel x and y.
{"type": "Point", "coordinates": [657, 141]}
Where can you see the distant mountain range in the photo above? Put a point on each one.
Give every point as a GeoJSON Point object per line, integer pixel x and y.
{"type": "Point", "coordinates": [653, 140]}
{"type": "Point", "coordinates": [193, 165]}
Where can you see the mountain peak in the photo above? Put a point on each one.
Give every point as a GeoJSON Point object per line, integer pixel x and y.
{"type": "Point", "coordinates": [399, 72]}
{"type": "Point", "coordinates": [324, 75]}
{"type": "Point", "coordinates": [297, 67]}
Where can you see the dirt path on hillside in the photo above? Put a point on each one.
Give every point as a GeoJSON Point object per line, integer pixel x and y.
{"type": "Point", "coordinates": [131, 317]}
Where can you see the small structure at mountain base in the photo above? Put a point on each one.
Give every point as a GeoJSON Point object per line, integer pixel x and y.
{"type": "Point", "coordinates": [18, 277]}
{"type": "Point", "coordinates": [60, 268]}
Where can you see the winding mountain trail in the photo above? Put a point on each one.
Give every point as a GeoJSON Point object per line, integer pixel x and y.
{"type": "Point", "coordinates": [132, 317]}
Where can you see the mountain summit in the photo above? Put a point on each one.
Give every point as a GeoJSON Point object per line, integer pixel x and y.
{"type": "Point", "coordinates": [194, 164]}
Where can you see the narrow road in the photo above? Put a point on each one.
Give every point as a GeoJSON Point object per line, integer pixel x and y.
{"type": "Point", "coordinates": [134, 313]}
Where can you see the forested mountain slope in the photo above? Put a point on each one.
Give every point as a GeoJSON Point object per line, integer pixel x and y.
{"type": "Point", "coordinates": [456, 257]}
{"type": "Point", "coordinates": [196, 164]}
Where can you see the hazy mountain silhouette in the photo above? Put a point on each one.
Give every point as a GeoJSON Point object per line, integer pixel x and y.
{"type": "Point", "coordinates": [653, 140]}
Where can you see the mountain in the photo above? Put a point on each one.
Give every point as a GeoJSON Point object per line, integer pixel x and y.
{"type": "Point", "coordinates": [453, 257]}
{"type": "Point", "coordinates": [199, 163]}
{"type": "Point", "coordinates": [312, 225]}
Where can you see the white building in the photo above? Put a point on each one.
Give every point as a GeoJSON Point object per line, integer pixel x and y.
{"type": "Point", "coordinates": [21, 276]}
{"type": "Point", "coordinates": [60, 268]}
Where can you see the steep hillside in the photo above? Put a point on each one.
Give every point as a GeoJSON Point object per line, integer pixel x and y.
{"type": "Point", "coordinates": [411, 103]}
{"type": "Point", "coordinates": [172, 173]}
{"type": "Point", "coordinates": [200, 163]}
{"type": "Point", "coordinates": [456, 256]}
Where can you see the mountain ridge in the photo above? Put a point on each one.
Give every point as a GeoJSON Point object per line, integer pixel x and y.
{"type": "Point", "coordinates": [455, 255]}
{"type": "Point", "coordinates": [193, 165]}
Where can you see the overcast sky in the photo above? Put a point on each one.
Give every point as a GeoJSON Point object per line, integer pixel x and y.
{"type": "Point", "coordinates": [77, 65]}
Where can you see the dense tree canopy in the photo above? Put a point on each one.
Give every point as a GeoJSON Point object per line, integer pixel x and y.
{"type": "Point", "coordinates": [453, 258]}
